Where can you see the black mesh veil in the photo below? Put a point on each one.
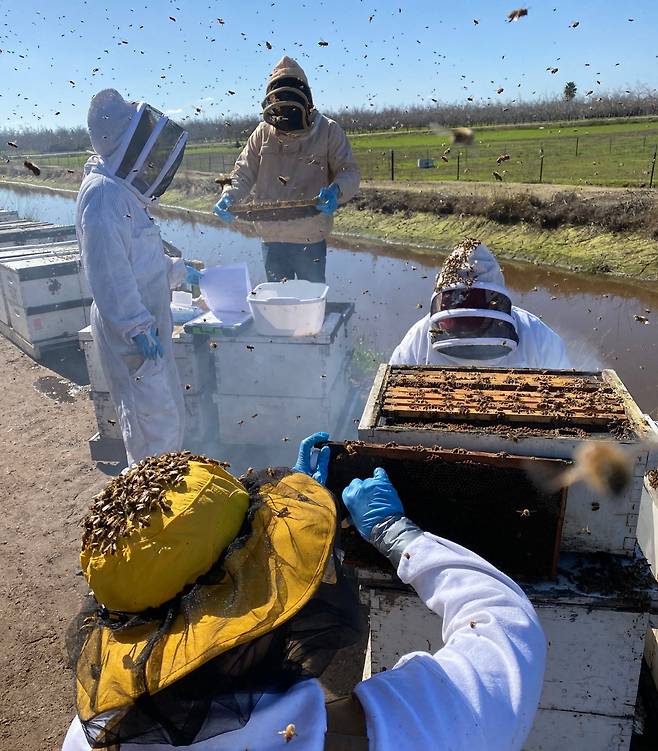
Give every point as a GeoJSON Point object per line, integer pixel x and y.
{"type": "Point", "coordinates": [218, 696]}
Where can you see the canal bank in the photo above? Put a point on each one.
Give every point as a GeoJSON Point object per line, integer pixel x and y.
{"type": "Point", "coordinates": [587, 230]}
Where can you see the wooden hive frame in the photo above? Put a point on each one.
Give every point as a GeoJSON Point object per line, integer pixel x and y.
{"type": "Point", "coordinates": [535, 397]}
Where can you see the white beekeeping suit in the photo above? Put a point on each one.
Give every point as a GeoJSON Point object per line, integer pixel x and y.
{"type": "Point", "coordinates": [472, 321]}
{"type": "Point", "coordinates": [480, 690]}
{"type": "Point", "coordinates": [138, 150]}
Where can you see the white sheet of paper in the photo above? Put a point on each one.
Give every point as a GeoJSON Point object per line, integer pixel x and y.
{"type": "Point", "coordinates": [225, 290]}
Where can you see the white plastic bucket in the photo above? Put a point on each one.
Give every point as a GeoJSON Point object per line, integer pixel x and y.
{"type": "Point", "coordinates": [293, 308]}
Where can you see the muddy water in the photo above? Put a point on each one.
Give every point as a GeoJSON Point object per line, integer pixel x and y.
{"type": "Point", "coordinates": [595, 315]}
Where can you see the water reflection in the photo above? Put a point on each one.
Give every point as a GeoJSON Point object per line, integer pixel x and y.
{"type": "Point", "coordinates": [595, 315]}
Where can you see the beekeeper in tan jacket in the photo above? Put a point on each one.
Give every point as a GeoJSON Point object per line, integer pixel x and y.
{"type": "Point", "coordinates": [296, 153]}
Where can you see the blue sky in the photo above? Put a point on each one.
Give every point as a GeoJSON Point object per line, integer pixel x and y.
{"type": "Point", "coordinates": [379, 52]}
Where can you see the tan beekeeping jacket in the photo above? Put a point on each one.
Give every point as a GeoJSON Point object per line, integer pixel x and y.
{"type": "Point", "coordinates": [276, 166]}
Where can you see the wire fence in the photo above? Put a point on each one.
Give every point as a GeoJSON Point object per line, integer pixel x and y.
{"type": "Point", "coordinates": [595, 160]}
{"type": "Point", "coordinates": [590, 159]}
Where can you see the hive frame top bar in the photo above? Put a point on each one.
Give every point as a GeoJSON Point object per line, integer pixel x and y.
{"type": "Point", "coordinates": [519, 437]}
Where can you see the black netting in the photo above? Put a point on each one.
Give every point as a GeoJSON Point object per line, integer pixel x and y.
{"type": "Point", "coordinates": [220, 695]}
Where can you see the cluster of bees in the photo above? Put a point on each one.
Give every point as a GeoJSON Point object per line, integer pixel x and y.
{"type": "Point", "coordinates": [130, 499]}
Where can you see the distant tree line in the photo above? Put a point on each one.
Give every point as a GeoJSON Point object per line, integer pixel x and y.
{"type": "Point", "coordinates": [236, 129]}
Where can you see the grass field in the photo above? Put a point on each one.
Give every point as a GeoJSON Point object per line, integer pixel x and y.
{"type": "Point", "coordinates": [618, 153]}
{"type": "Point", "coordinates": [611, 154]}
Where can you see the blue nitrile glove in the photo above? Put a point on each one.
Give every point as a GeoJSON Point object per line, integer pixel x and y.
{"type": "Point", "coordinates": [304, 457]}
{"type": "Point", "coordinates": [193, 276]}
{"type": "Point", "coordinates": [222, 209]}
{"type": "Point", "coordinates": [377, 513]}
{"type": "Point", "coordinates": [148, 344]}
{"type": "Point", "coordinates": [371, 501]}
{"type": "Point", "coordinates": [327, 199]}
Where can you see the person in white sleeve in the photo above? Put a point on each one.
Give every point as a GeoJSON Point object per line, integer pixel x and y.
{"type": "Point", "coordinates": [472, 321]}
{"type": "Point", "coordinates": [137, 152]}
{"type": "Point", "coordinates": [227, 663]}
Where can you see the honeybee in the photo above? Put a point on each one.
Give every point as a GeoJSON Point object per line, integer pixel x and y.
{"type": "Point", "coordinates": [514, 15]}
{"type": "Point", "coordinates": [288, 733]}
{"type": "Point", "coordinates": [32, 167]}
{"type": "Point", "coordinates": [603, 465]}
{"type": "Point", "coordinates": [462, 136]}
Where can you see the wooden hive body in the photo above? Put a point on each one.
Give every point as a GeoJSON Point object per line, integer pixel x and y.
{"type": "Point", "coordinates": [538, 414]}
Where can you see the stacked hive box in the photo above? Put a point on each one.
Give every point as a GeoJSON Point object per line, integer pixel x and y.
{"type": "Point", "coordinates": [598, 608]}
{"type": "Point", "coordinates": [44, 298]}
{"type": "Point", "coordinates": [24, 232]}
{"type": "Point", "coordinates": [273, 391]}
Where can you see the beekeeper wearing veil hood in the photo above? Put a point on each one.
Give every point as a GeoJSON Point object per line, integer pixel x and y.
{"type": "Point", "coordinates": [472, 321]}
{"type": "Point", "coordinates": [138, 150]}
{"type": "Point", "coordinates": [295, 154]}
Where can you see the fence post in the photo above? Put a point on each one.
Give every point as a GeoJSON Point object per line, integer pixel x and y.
{"type": "Point", "coordinates": [576, 145]}
{"type": "Point", "coordinates": [392, 165]}
{"type": "Point", "coordinates": [458, 155]}
{"type": "Point", "coordinates": [653, 166]}
{"type": "Point", "coordinates": [541, 165]}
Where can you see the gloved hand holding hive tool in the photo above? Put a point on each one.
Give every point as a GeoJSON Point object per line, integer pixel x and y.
{"type": "Point", "coordinates": [327, 199]}
{"type": "Point", "coordinates": [221, 209]}
{"type": "Point", "coordinates": [316, 442]}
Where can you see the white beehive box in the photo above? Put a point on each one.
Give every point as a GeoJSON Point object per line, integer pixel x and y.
{"type": "Point", "coordinates": [592, 523]}
{"type": "Point", "coordinates": [26, 233]}
{"type": "Point", "coordinates": [255, 421]}
{"type": "Point", "coordinates": [66, 249]}
{"type": "Point", "coordinates": [251, 365]}
{"type": "Point", "coordinates": [291, 383]}
{"type": "Point", "coordinates": [595, 645]}
{"type": "Point", "coordinates": [47, 298]}
{"type": "Point", "coordinates": [647, 537]}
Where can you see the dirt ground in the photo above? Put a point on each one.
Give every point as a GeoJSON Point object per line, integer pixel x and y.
{"type": "Point", "coordinates": [46, 479]}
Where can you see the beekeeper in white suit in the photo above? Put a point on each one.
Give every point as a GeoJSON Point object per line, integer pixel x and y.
{"type": "Point", "coordinates": [138, 150]}
{"type": "Point", "coordinates": [472, 321]}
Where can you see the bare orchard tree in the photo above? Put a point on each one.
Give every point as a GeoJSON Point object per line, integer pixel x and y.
{"type": "Point", "coordinates": [235, 129]}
